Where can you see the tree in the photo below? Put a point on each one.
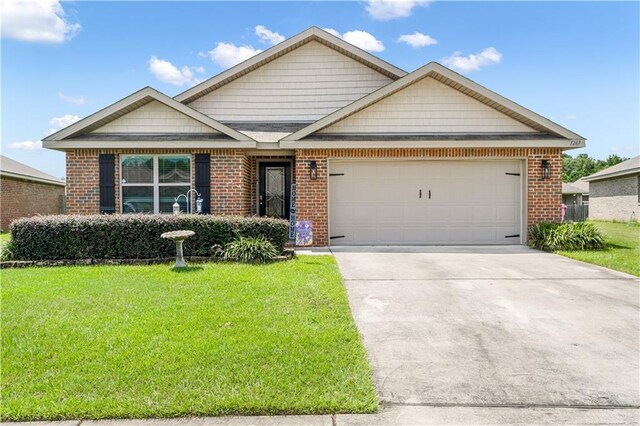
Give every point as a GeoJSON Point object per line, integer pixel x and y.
{"type": "Point", "coordinates": [583, 165]}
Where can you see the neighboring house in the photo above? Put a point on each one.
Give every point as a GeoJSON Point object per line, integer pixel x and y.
{"type": "Point", "coordinates": [615, 192]}
{"type": "Point", "coordinates": [575, 193]}
{"type": "Point", "coordinates": [25, 191]}
{"type": "Point", "coordinates": [378, 155]}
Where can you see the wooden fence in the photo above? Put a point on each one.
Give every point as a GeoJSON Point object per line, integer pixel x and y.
{"type": "Point", "coordinates": [576, 213]}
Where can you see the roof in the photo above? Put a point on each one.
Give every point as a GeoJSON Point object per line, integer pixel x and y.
{"type": "Point", "coordinates": [628, 167]}
{"type": "Point", "coordinates": [128, 104]}
{"type": "Point", "coordinates": [267, 132]}
{"type": "Point", "coordinates": [456, 81]}
{"type": "Point", "coordinates": [280, 49]}
{"type": "Point", "coordinates": [578, 187]}
{"type": "Point", "coordinates": [17, 170]}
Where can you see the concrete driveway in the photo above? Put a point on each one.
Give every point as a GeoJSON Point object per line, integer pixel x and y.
{"type": "Point", "coordinates": [494, 326]}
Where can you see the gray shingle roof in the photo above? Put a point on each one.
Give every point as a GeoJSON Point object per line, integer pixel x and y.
{"type": "Point", "coordinates": [628, 167]}
{"type": "Point", "coordinates": [13, 168]}
{"type": "Point", "coordinates": [578, 187]}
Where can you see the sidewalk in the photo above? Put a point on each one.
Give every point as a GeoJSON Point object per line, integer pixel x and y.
{"type": "Point", "coordinates": [397, 415]}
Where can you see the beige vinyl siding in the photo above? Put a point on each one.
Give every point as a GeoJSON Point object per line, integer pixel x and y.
{"type": "Point", "coordinates": [306, 84]}
{"type": "Point", "coordinates": [427, 106]}
{"type": "Point", "coordinates": [154, 117]}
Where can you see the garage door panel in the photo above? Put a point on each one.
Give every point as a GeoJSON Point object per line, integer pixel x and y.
{"type": "Point", "coordinates": [379, 202]}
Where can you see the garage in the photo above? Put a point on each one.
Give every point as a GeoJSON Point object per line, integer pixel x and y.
{"type": "Point", "coordinates": [412, 202]}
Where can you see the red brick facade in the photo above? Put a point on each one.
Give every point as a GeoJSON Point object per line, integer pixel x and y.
{"type": "Point", "coordinates": [234, 178]}
{"type": "Point", "coordinates": [22, 198]}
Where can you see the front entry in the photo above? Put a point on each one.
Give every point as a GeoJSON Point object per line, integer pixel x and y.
{"type": "Point", "coordinates": [274, 189]}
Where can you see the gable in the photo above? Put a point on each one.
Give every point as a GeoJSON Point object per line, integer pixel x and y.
{"type": "Point", "coordinates": [304, 84]}
{"type": "Point", "coordinates": [154, 117]}
{"type": "Point", "coordinates": [428, 106]}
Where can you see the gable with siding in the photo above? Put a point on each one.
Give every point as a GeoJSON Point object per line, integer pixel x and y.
{"type": "Point", "coordinates": [428, 106]}
{"type": "Point", "coordinates": [305, 84]}
{"type": "Point", "coordinates": [154, 117]}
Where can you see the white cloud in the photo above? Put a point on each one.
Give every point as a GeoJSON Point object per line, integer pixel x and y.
{"type": "Point", "coordinates": [227, 55]}
{"type": "Point", "coordinates": [39, 21]}
{"type": "Point", "coordinates": [26, 145]}
{"type": "Point", "coordinates": [361, 39]}
{"type": "Point", "coordinates": [64, 121]}
{"type": "Point", "coordinates": [76, 100]}
{"type": "Point", "coordinates": [268, 36]}
{"type": "Point", "coordinates": [166, 72]}
{"type": "Point", "coordinates": [385, 10]}
{"type": "Point", "coordinates": [473, 62]}
{"type": "Point", "coordinates": [417, 39]}
{"type": "Point", "coordinates": [332, 32]}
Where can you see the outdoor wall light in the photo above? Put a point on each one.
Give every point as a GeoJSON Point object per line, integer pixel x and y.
{"type": "Point", "coordinates": [546, 169]}
{"type": "Point", "coordinates": [176, 207]}
{"type": "Point", "coordinates": [313, 170]}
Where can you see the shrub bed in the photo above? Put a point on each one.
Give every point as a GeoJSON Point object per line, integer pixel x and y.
{"type": "Point", "coordinates": [134, 236]}
{"type": "Point", "coordinates": [566, 236]}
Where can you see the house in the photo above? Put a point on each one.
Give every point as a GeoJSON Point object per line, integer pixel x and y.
{"type": "Point", "coordinates": [25, 191]}
{"type": "Point", "coordinates": [575, 193]}
{"type": "Point", "coordinates": [615, 192]}
{"type": "Point", "coordinates": [377, 155]}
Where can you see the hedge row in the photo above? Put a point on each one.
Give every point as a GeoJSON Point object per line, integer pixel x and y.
{"type": "Point", "coordinates": [133, 236]}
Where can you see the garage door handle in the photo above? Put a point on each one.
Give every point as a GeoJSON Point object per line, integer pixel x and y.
{"type": "Point", "coordinates": [420, 194]}
{"type": "Point", "coordinates": [429, 194]}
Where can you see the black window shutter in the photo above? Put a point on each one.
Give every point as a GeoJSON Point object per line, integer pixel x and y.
{"type": "Point", "coordinates": [203, 181]}
{"type": "Point", "coordinates": [107, 184]}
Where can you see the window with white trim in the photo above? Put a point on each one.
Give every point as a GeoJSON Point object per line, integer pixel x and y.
{"type": "Point", "coordinates": [151, 183]}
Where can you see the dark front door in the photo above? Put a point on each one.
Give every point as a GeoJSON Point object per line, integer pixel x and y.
{"type": "Point", "coordinates": [274, 193]}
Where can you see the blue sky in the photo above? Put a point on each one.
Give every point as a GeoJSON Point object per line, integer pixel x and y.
{"type": "Point", "coordinates": [576, 63]}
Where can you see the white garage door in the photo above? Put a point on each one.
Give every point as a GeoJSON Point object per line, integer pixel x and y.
{"type": "Point", "coordinates": [425, 202]}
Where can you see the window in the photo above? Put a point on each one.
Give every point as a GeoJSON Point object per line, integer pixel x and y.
{"type": "Point", "coordinates": [151, 183]}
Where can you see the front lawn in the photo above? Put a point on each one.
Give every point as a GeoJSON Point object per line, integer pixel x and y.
{"type": "Point", "coordinates": [622, 252]}
{"type": "Point", "coordinates": [144, 341]}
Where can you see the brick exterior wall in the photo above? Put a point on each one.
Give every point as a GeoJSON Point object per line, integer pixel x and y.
{"type": "Point", "coordinates": [230, 178]}
{"type": "Point", "coordinates": [543, 196]}
{"type": "Point", "coordinates": [234, 178]}
{"type": "Point", "coordinates": [21, 198]}
{"type": "Point", "coordinates": [615, 198]}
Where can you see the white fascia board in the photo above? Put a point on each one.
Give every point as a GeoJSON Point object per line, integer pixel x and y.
{"type": "Point", "coordinates": [124, 144]}
{"type": "Point", "coordinates": [613, 175]}
{"type": "Point", "coordinates": [319, 144]}
{"type": "Point", "coordinates": [420, 73]}
{"type": "Point", "coordinates": [147, 92]}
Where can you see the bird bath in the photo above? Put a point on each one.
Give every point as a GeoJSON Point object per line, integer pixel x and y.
{"type": "Point", "coordinates": [178, 237]}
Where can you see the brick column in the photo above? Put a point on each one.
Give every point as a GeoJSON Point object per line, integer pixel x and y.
{"type": "Point", "coordinates": [230, 183]}
{"type": "Point", "coordinates": [312, 201]}
{"type": "Point", "coordinates": [83, 182]}
{"type": "Point", "coordinates": [544, 197]}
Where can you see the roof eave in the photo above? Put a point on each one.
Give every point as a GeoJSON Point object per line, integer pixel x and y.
{"type": "Point", "coordinates": [32, 178]}
{"type": "Point", "coordinates": [621, 173]}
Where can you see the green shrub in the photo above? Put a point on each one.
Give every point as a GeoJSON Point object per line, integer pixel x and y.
{"type": "Point", "coordinates": [134, 236]}
{"type": "Point", "coordinates": [6, 251]}
{"type": "Point", "coordinates": [566, 236]}
{"type": "Point", "coordinates": [250, 250]}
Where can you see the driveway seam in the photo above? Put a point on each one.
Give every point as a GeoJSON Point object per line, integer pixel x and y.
{"type": "Point", "coordinates": [454, 405]}
{"type": "Point", "coordinates": [490, 279]}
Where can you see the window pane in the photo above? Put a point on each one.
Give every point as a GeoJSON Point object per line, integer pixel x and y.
{"type": "Point", "coordinates": [137, 199]}
{"type": "Point", "coordinates": [137, 170]}
{"type": "Point", "coordinates": [174, 169]}
{"type": "Point", "coordinates": [168, 196]}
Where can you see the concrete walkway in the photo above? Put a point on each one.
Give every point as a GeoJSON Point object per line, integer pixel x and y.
{"type": "Point", "coordinates": [394, 415]}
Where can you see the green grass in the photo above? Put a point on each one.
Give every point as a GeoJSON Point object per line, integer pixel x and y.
{"type": "Point", "coordinates": [622, 252]}
{"type": "Point", "coordinates": [145, 341]}
{"type": "Point", "coordinates": [4, 237]}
